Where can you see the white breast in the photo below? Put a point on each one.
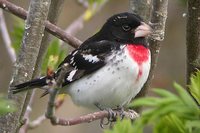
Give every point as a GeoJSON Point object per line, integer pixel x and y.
{"type": "Point", "coordinates": [114, 85]}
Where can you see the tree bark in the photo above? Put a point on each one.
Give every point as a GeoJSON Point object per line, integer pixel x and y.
{"type": "Point", "coordinates": [158, 20]}
{"type": "Point", "coordinates": [142, 8]}
{"type": "Point", "coordinates": [34, 28]}
{"type": "Point", "coordinates": [157, 17]}
{"type": "Point", "coordinates": [54, 11]}
{"type": "Point", "coordinates": [193, 37]}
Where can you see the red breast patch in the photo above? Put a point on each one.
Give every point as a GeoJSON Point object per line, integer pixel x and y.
{"type": "Point", "coordinates": [139, 53]}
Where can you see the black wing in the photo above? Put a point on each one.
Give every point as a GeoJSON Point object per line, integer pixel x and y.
{"type": "Point", "coordinates": [88, 58]}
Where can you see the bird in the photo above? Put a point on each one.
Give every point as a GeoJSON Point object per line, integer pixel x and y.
{"type": "Point", "coordinates": [108, 69]}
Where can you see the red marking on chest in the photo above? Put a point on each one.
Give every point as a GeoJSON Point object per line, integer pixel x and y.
{"type": "Point", "coordinates": [139, 54]}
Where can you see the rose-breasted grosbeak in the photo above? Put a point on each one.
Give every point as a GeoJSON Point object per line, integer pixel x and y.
{"type": "Point", "coordinates": [109, 68]}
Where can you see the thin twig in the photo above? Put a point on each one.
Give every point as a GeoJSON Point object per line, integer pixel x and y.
{"type": "Point", "coordinates": [82, 119]}
{"type": "Point", "coordinates": [75, 26]}
{"type": "Point", "coordinates": [6, 37]}
{"type": "Point", "coordinates": [92, 117]}
{"type": "Point", "coordinates": [37, 122]}
{"type": "Point", "coordinates": [25, 127]}
{"type": "Point", "coordinates": [78, 24]}
{"type": "Point", "coordinates": [50, 108]}
{"type": "Point", "coordinates": [51, 28]}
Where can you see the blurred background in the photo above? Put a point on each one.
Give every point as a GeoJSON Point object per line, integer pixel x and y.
{"type": "Point", "coordinates": [171, 64]}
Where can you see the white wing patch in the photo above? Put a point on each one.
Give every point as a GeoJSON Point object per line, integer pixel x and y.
{"type": "Point", "coordinates": [75, 52]}
{"type": "Point", "coordinates": [71, 75]}
{"type": "Point", "coordinates": [91, 58]}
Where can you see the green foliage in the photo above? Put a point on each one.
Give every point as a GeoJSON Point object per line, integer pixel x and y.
{"type": "Point", "coordinates": [6, 106]}
{"type": "Point", "coordinates": [17, 35]}
{"type": "Point", "coordinates": [167, 113]}
{"type": "Point", "coordinates": [195, 86]}
{"type": "Point", "coordinates": [55, 54]}
{"type": "Point", "coordinates": [124, 126]}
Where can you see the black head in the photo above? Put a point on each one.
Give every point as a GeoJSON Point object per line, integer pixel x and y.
{"type": "Point", "coordinates": [124, 28]}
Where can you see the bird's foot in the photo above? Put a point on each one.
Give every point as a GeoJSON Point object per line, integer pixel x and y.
{"type": "Point", "coordinates": [121, 113]}
{"type": "Point", "coordinates": [112, 117]}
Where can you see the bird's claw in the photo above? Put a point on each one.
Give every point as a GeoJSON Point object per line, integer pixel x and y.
{"type": "Point", "coordinates": [112, 117]}
{"type": "Point", "coordinates": [122, 113]}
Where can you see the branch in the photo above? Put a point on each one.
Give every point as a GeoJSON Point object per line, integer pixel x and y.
{"type": "Point", "coordinates": [92, 117]}
{"type": "Point", "coordinates": [37, 122]}
{"type": "Point", "coordinates": [53, 92]}
{"type": "Point", "coordinates": [158, 20]}
{"type": "Point", "coordinates": [51, 28]}
{"type": "Point", "coordinates": [54, 12]}
{"type": "Point", "coordinates": [27, 114]}
{"type": "Point", "coordinates": [34, 28]}
{"type": "Point", "coordinates": [193, 38]}
{"type": "Point", "coordinates": [6, 38]}
{"type": "Point", "coordinates": [78, 24]}
{"type": "Point", "coordinates": [83, 119]}
{"type": "Point", "coordinates": [142, 8]}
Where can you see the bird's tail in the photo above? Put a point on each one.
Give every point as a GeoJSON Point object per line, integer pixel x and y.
{"type": "Point", "coordinates": [40, 82]}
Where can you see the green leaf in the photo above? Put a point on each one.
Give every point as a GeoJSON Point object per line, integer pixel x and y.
{"type": "Point", "coordinates": [163, 93]}
{"type": "Point", "coordinates": [169, 123]}
{"type": "Point", "coordinates": [54, 55]}
{"type": "Point", "coordinates": [6, 106]}
{"type": "Point", "coordinates": [185, 97]}
{"type": "Point", "coordinates": [194, 87]}
{"type": "Point", "coordinates": [191, 125]}
{"type": "Point", "coordinates": [123, 126]}
{"type": "Point", "coordinates": [17, 35]}
{"type": "Point", "coordinates": [168, 112]}
{"type": "Point", "coordinates": [147, 101]}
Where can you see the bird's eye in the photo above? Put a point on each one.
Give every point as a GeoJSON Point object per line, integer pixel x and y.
{"type": "Point", "coordinates": [126, 27]}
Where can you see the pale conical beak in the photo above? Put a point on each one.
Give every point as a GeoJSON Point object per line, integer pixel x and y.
{"type": "Point", "coordinates": [143, 30]}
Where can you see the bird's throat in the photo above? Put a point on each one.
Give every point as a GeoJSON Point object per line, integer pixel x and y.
{"type": "Point", "coordinates": [139, 53]}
